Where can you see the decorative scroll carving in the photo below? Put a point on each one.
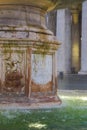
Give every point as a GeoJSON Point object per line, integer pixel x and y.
{"type": "Point", "coordinates": [13, 63]}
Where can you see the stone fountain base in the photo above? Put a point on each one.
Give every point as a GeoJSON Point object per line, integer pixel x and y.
{"type": "Point", "coordinates": [27, 55]}
{"type": "Point", "coordinates": [13, 101]}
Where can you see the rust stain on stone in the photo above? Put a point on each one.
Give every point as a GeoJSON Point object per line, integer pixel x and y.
{"type": "Point", "coordinates": [41, 87]}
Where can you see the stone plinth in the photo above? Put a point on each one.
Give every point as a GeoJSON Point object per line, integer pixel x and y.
{"type": "Point", "coordinates": [28, 48]}
{"type": "Point", "coordinates": [27, 53]}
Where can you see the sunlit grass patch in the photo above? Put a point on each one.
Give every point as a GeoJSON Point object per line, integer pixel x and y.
{"type": "Point", "coordinates": [75, 100]}
{"type": "Point", "coordinates": [37, 125]}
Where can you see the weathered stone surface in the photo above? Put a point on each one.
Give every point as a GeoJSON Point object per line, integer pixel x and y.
{"type": "Point", "coordinates": [45, 4]}
{"type": "Point", "coordinates": [17, 15]}
{"type": "Point", "coordinates": [23, 34]}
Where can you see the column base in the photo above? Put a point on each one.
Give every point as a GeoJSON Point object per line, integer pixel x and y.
{"type": "Point", "coordinates": [45, 99]}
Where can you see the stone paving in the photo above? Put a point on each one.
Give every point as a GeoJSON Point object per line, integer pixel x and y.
{"type": "Point", "coordinates": [72, 93]}
{"type": "Point", "coordinates": [72, 82]}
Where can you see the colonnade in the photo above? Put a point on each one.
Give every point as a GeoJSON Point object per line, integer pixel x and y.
{"type": "Point", "coordinates": [71, 31]}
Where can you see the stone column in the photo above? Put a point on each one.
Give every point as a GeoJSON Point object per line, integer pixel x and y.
{"type": "Point", "coordinates": [51, 21]}
{"type": "Point", "coordinates": [63, 33]}
{"type": "Point", "coordinates": [84, 40]}
{"type": "Point", "coordinates": [75, 41]}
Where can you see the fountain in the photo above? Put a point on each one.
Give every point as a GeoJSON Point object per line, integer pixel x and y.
{"type": "Point", "coordinates": [28, 49]}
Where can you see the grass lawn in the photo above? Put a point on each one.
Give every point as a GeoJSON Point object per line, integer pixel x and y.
{"type": "Point", "coordinates": [72, 115]}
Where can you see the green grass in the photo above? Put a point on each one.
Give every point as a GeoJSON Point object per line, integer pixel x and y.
{"type": "Point", "coordinates": [72, 116]}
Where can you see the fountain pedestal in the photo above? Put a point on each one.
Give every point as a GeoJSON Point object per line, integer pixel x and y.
{"type": "Point", "coordinates": [27, 53]}
{"type": "Point", "coordinates": [28, 49]}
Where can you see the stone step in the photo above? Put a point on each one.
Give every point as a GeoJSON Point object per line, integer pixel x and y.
{"type": "Point", "coordinates": [72, 82]}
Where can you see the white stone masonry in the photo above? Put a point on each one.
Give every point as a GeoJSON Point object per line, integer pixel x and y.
{"type": "Point", "coordinates": [84, 40]}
